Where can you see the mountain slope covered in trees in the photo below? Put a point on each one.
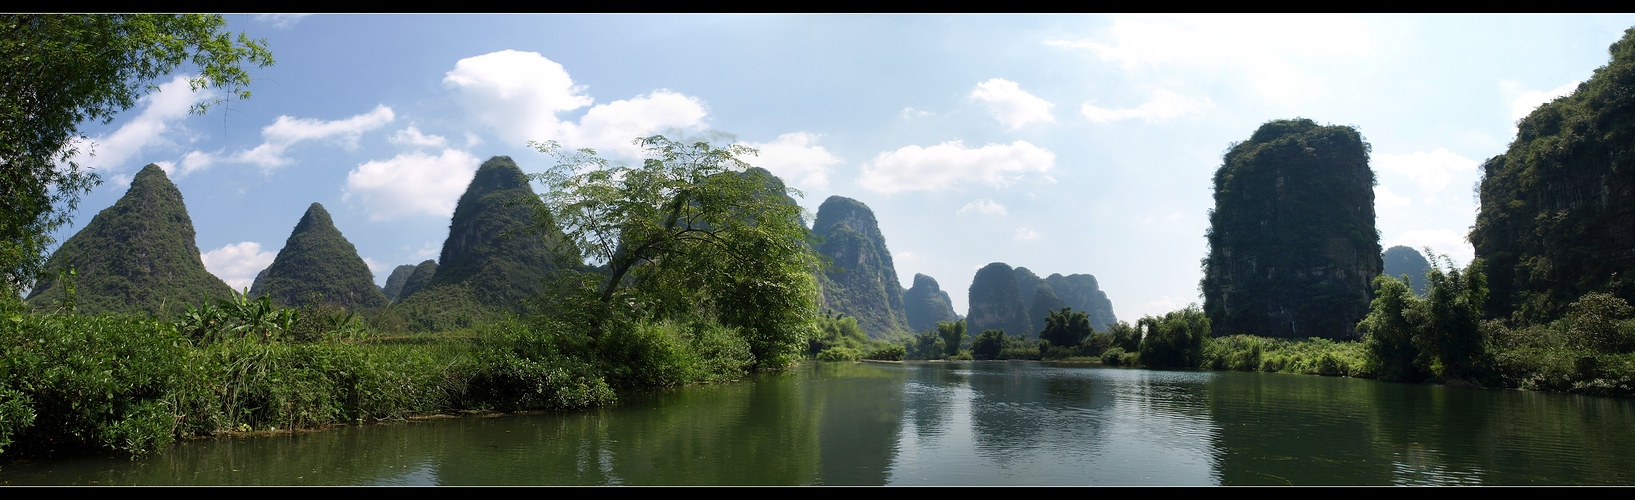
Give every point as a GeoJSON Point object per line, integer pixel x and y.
{"type": "Point", "coordinates": [863, 280]}
{"type": "Point", "coordinates": [318, 265]}
{"type": "Point", "coordinates": [138, 255]}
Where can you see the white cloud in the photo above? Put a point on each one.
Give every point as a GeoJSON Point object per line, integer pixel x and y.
{"type": "Point", "coordinates": [472, 139]}
{"type": "Point", "coordinates": [286, 131]}
{"type": "Point", "coordinates": [1524, 103]}
{"type": "Point", "coordinates": [374, 267]}
{"type": "Point", "coordinates": [519, 94]}
{"type": "Point", "coordinates": [1255, 48]}
{"type": "Point", "coordinates": [1163, 106]}
{"type": "Point", "coordinates": [796, 157]}
{"type": "Point", "coordinates": [429, 249]}
{"type": "Point", "coordinates": [411, 183]}
{"type": "Point", "coordinates": [195, 160]}
{"type": "Point", "coordinates": [1385, 199]}
{"type": "Point", "coordinates": [164, 107]}
{"type": "Point", "coordinates": [613, 126]}
{"type": "Point", "coordinates": [1431, 170]}
{"type": "Point", "coordinates": [906, 257]}
{"type": "Point", "coordinates": [1025, 234]}
{"type": "Point", "coordinates": [914, 168]}
{"type": "Point", "coordinates": [987, 206]}
{"type": "Point", "coordinates": [1010, 104]}
{"type": "Point", "coordinates": [281, 21]}
{"type": "Point", "coordinates": [910, 113]}
{"type": "Point", "coordinates": [238, 263]}
{"type": "Point", "coordinates": [412, 137]}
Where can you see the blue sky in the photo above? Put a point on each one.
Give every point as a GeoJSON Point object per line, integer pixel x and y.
{"type": "Point", "coordinates": [1061, 143]}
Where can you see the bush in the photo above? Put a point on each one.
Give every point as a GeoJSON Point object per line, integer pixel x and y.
{"type": "Point", "coordinates": [888, 352]}
{"type": "Point", "coordinates": [839, 354]}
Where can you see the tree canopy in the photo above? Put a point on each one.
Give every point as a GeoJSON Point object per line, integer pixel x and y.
{"type": "Point", "coordinates": [64, 70]}
{"type": "Point", "coordinates": [694, 232]}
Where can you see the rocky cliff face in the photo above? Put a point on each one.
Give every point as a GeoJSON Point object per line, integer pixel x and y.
{"type": "Point", "coordinates": [1293, 247]}
{"type": "Point", "coordinates": [863, 280]}
{"type": "Point", "coordinates": [495, 255]}
{"type": "Point", "coordinates": [394, 282]}
{"type": "Point", "coordinates": [318, 265]}
{"type": "Point", "coordinates": [1078, 291]}
{"type": "Point", "coordinates": [996, 303]}
{"type": "Point", "coordinates": [133, 257]}
{"type": "Point", "coordinates": [1557, 216]}
{"type": "Point", "coordinates": [926, 304]}
{"type": "Point", "coordinates": [1082, 293]}
{"type": "Point", "coordinates": [1400, 260]}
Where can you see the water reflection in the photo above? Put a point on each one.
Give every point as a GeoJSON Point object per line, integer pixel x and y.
{"type": "Point", "coordinates": [960, 423]}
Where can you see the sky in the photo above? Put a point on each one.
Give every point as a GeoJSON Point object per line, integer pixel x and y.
{"type": "Point", "coordinates": [1061, 143]}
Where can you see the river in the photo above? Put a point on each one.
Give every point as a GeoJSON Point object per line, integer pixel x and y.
{"type": "Point", "coordinates": [957, 423]}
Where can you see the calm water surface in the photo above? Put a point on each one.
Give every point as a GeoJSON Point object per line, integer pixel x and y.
{"type": "Point", "coordinates": [972, 423]}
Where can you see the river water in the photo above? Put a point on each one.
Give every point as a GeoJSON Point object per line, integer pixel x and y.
{"type": "Point", "coordinates": [960, 423]}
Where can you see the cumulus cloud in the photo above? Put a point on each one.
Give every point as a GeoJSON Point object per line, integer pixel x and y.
{"type": "Point", "coordinates": [238, 263]}
{"type": "Point", "coordinates": [1385, 199]}
{"type": "Point", "coordinates": [413, 137]}
{"type": "Point", "coordinates": [1010, 104]}
{"type": "Point", "coordinates": [160, 111]}
{"type": "Point", "coordinates": [1253, 48]}
{"type": "Point", "coordinates": [915, 168]}
{"type": "Point", "coordinates": [910, 113]}
{"type": "Point", "coordinates": [1025, 234]}
{"type": "Point", "coordinates": [1431, 170]}
{"type": "Point", "coordinates": [795, 156]}
{"type": "Point", "coordinates": [411, 183]}
{"type": "Point", "coordinates": [1163, 106]}
{"type": "Point", "coordinates": [519, 95]}
{"type": "Point", "coordinates": [287, 131]}
{"type": "Point", "coordinates": [987, 206]}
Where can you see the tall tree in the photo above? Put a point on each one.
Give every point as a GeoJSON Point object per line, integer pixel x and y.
{"type": "Point", "coordinates": [694, 230]}
{"type": "Point", "coordinates": [64, 70]}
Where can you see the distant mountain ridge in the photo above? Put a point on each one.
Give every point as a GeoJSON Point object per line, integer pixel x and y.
{"type": "Point", "coordinates": [318, 265]}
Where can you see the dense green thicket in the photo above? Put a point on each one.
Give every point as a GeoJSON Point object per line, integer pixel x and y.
{"type": "Point", "coordinates": [1557, 216]}
{"type": "Point", "coordinates": [862, 279]}
{"type": "Point", "coordinates": [318, 265]}
{"type": "Point", "coordinates": [136, 256]}
{"type": "Point", "coordinates": [1292, 240]}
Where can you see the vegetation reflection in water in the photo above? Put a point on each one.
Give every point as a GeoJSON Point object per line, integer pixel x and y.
{"type": "Point", "coordinates": [970, 423]}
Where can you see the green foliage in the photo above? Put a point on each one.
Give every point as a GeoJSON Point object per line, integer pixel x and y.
{"type": "Point", "coordinates": [1557, 213]}
{"type": "Point", "coordinates": [318, 265]}
{"type": "Point", "coordinates": [1314, 356]}
{"type": "Point", "coordinates": [520, 367]}
{"type": "Point", "coordinates": [925, 345]}
{"type": "Point", "coordinates": [1390, 334]}
{"type": "Point", "coordinates": [1066, 328]}
{"type": "Point", "coordinates": [989, 344]}
{"type": "Point", "coordinates": [951, 333]}
{"type": "Point", "coordinates": [137, 256]}
{"type": "Point", "coordinates": [839, 354]}
{"type": "Point", "coordinates": [1441, 334]}
{"type": "Point", "coordinates": [1450, 318]}
{"type": "Point", "coordinates": [1292, 237]}
{"type": "Point", "coordinates": [1175, 340]}
{"type": "Point", "coordinates": [1125, 336]}
{"type": "Point", "coordinates": [836, 330]}
{"type": "Point", "coordinates": [1116, 356]}
{"type": "Point", "coordinates": [1400, 260]}
{"type": "Point", "coordinates": [1596, 321]}
{"type": "Point", "coordinates": [691, 233]}
{"type": "Point", "coordinates": [65, 70]}
{"type": "Point", "coordinates": [887, 352]}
